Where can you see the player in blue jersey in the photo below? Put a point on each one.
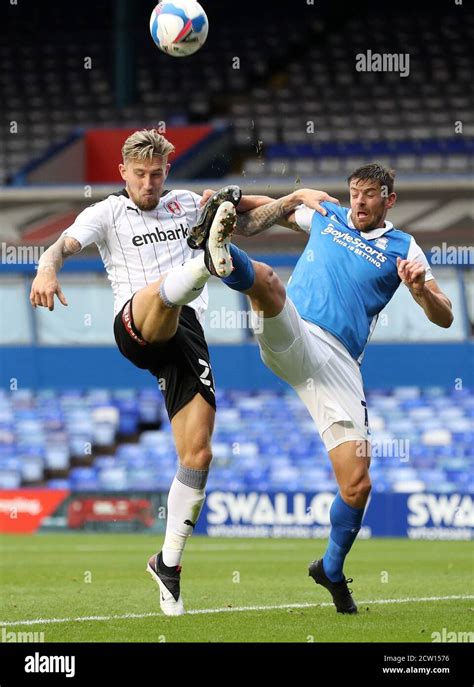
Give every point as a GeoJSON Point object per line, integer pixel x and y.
{"type": "Point", "coordinates": [313, 336]}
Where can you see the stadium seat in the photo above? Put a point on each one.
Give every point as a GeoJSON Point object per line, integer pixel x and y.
{"type": "Point", "coordinates": [83, 479]}
{"type": "Point", "coordinates": [263, 440]}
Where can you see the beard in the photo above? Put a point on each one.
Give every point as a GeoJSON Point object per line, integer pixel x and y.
{"type": "Point", "coordinates": [368, 223]}
{"type": "Point", "coordinates": [148, 203]}
{"type": "Point", "coordinates": [145, 203]}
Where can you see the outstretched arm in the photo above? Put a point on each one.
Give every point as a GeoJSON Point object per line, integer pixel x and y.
{"type": "Point", "coordinates": [246, 202]}
{"type": "Point", "coordinates": [264, 216]}
{"type": "Point", "coordinates": [258, 213]}
{"type": "Point", "coordinates": [46, 285]}
{"type": "Point", "coordinates": [427, 294]}
{"type": "Point", "coordinates": [251, 202]}
{"type": "Point", "coordinates": [281, 211]}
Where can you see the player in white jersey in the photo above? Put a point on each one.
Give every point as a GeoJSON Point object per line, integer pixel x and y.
{"type": "Point", "coordinates": [159, 284]}
{"type": "Point", "coordinates": [313, 335]}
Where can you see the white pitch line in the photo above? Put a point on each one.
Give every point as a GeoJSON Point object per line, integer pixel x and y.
{"type": "Point", "coordinates": [85, 548]}
{"type": "Point", "coordinates": [203, 611]}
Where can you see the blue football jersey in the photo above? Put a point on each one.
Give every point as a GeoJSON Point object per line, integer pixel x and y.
{"type": "Point", "coordinates": [344, 277]}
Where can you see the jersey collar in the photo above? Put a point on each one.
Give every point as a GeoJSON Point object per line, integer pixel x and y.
{"type": "Point", "coordinates": [373, 233]}
{"type": "Point", "coordinates": [129, 202]}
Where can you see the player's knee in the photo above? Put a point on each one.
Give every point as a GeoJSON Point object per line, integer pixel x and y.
{"type": "Point", "coordinates": [197, 458]}
{"type": "Point", "coordinates": [273, 283]}
{"type": "Point", "coordinates": [357, 491]}
{"type": "Point", "coordinates": [156, 322]}
{"type": "Point", "coordinates": [269, 281]}
{"type": "Point", "coordinates": [159, 326]}
{"type": "Point", "coordinates": [276, 287]}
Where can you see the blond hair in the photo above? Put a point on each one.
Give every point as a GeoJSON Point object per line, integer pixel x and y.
{"type": "Point", "coordinates": [146, 144]}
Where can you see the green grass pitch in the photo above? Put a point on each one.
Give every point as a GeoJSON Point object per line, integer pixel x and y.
{"type": "Point", "coordinates": [94, 588]}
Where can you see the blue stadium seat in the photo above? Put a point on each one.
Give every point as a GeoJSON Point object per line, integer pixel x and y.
{"type": "Point", "coordinates": [113, 478]}
{"type": "Point", "coordinates": [10, 479]}
{"type": "Point", "coordinates": [155, 439]}
{"type": "Point", "coordinates": [104, 462]}
{"type": "Point", "coordinates": [7, 448]}
{"type": "Point", "coordinates": [11, 463]}
{"type": "Point", "coordinates": [57, 457]}
{"type": "Point", "coordinates": [463, 437]}
{"type": "Point", "coordinates": [98, 396]}
{"type": "Point", "coordinates": [129, 415]}
{"type": "Point", "coordinates": [141, 478]}
{"type": "Point", "coordinates": [150, 406]}
{"type": "Point", "coordinates": [84, 479]}
{"type": "Point", "coordinates": [58, 483]}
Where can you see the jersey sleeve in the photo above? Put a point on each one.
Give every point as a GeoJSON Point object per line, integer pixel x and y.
{"type": "Point", "coordinates": [89, 225]}
{"type": "Point", "coordinates": [415, 253]}
{"type": "Point", "coordinates": [304, 217]}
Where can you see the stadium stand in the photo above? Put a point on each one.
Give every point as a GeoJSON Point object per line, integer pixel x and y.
{"type": "Point", "coordinates": [274, 108]}
{"type": "Point", "coordinates": [121, 440]}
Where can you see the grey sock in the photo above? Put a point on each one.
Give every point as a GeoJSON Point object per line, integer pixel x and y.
{"type": "Point", "coordinates": [196, 479]}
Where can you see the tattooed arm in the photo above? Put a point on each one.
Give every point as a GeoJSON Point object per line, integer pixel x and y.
{"type": "Point", "coordinates": [260, 218]}
{"type": "Point", "coordinates": [246, 202]}
{"type": "Point", "coordinates": [280, 211]}
{"type": "Point", "coordinates": [46, 285]}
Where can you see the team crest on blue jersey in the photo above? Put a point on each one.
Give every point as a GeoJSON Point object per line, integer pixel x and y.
{"type": "Point", "coordinates": [381, 243]}
{"type": "Point", "coordinates": [175, 208]}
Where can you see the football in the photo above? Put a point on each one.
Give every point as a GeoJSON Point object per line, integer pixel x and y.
{"type": "Point", "coordinates": [179, 28]}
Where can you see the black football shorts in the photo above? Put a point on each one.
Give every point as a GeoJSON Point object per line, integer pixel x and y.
{"type": "Point", "coordinates": [181, 365]}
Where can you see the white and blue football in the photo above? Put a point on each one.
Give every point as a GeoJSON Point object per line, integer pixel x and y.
{"type": "Point", "coordinates": [179, 28]}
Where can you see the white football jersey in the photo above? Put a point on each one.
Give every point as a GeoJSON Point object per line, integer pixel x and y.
{"type": "Point", "coordinates": [136, 246]}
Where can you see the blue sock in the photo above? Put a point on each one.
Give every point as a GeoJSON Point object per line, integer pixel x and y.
{"type": "Point", "coordinates": [345, 525]}
{"type": "Point", "coordinates": [243, 276]}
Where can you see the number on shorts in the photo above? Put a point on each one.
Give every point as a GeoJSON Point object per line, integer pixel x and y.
{"type": "Point", "coordinates": [205, 374]}
{"type": "Point", "coordinates": [366, 414]}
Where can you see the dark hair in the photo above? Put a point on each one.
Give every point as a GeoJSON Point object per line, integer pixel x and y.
{"type": "Point", "coordinates": [375, 172]}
